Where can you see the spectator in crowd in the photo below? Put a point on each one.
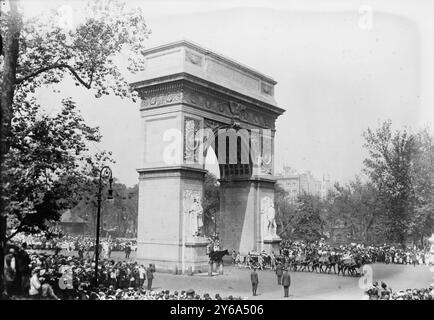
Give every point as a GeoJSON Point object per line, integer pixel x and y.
{"type": "Point", "coordinates": [384, 292]}
{"type": "Point", "coordinates": [47, 291]}
{"type": "Point", "coordinates": [35, 284]}
{"type": "Point", "coordinates": [255, 281]}
{"type": "Point", "coordinates": [142, 275]}
{"type": "Point", "coordinates": [23, 269]}
{"type": "Point", "coordinates": [10, 272]}
{"type": "Point", "coordinates": [150, 275]}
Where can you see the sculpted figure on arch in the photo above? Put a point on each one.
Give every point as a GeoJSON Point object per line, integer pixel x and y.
{"type": "Point", "coordinates": [268, 218]}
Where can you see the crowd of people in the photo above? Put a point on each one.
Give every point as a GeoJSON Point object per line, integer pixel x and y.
{"type": "Point", "coordinates": [43, 275]}
{"type": "Point", "coordinates": [74, 243]}
{"type": "Point", "coordinates": [371, 253]}
{"type": "Point", "coordinates": [57, 277]}
{"type": "Point", "coordinates": [384, 292]}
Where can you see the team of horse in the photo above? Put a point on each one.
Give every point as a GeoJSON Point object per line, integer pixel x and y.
{"type": "Point", "coordinates": [331, 263]}
{"type": "Point", "coordinates": [348, 265]}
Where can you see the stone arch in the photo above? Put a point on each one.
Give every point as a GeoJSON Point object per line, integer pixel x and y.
{"type": "Point", "coordinates": [183, 98]}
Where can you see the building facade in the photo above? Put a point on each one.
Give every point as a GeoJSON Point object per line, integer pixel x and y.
{"type": "Point", "coordinates": [302, 183]}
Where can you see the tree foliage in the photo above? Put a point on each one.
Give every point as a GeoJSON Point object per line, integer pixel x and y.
{"type": "Point", "coordinates": [390, 167]}
{"type": "Point", "coordinates": [357, 204]}
{"type": "Point", "coordinates": [422, 220]}
{"type": "Point", "coordinates": [48, 52]}
{"type": "Point", "coordinates": [393, 202]}
{"type": "Point", "coordinates": [119, 216]}
{"type": "Point", "coordinates": [48, 158]}
{"type": "Point", "coordinates": [285, 212]}
{"type": "Point", "coordinates": [211, 202]}
{"type": "Point", "coordinates": [44, 157]}
{"type": "Point", "coordinates": [307, 221]}
{"type": "Point", "coordinates": [299, 220]}
{"type": "Point", "coordinates": [37, 52]}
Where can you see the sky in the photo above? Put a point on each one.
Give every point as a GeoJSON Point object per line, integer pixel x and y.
{"type": "Point", "coordinates": [341, 66]}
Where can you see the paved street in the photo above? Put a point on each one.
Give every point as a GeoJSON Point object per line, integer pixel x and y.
{"type": "Point", "coordinates": [305, 285]}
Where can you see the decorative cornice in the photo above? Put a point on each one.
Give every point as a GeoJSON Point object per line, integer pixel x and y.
{"type": "Point", "coordinates": [190, 80]}
{"type": "Point", "coordinates": [202, 98]}
{"type": "Point", "coordinates": [232, 109]}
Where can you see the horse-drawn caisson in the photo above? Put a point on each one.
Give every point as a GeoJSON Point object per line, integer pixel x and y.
{"type": "Point", "coordinates": [258, 260]}
{"type": "Point", "coordinates": [347, 264]}
{"type": "Point", "coordinates": [326, 263]}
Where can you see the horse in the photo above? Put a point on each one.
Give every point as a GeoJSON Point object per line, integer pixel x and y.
{"type": "Point", "coordinates": [332, 262]}
{"type": "Point", "coordinates": [314, 263]}
{"type": "Point", "coordinates": [255, 261]}
{"type": "Point", "coordinates": [351, 265]}
{"type": "Point", "coordinates": [217, 256]}
{"type": "Point", "coordinates": [282, 260]}
{"type": "Point", "coordinates": [301, 261]}
{"type": "Point", "coordinates": [323, 261]}
{"type": "Point", "coordinates": [266, 261]}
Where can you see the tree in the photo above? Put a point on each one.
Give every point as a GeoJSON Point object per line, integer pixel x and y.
{"type": "Point", "coordinates": [300, 220]}
{"type": "Point", "coordinates": [285, 212]}
{"type": "Point", "coordinates": [47, 160]}
{"type": "Point", "coordinates": [39, 52]}
{"type": "Point", "coordinates": [307, 221]}
{"type": "Point", "coordinates": [211, 202]}
{"type": "Point", "coordinates": [121, 214]}
{"type": "Point", "coordinates": [357, 204]}
{"type": "Point", "coordinates": [390, 167]}
{"type": "Point", "coordinates": [422, 221]}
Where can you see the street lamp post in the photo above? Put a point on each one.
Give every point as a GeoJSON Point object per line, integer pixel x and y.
{"type": "Point", "coordinates": [215, 223]}
{"type": "Point", "coordinates": [106, 172]}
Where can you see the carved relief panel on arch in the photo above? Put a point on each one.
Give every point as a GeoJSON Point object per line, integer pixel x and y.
{"type": "Point", "coordinates": [157, 100]}
{"type": "Point", "coordinates": [192, 141]}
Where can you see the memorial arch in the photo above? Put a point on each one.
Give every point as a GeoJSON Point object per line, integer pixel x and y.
{"type": "Point", "coordinates": [191, 99]}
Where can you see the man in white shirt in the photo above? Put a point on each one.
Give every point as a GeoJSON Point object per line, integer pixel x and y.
{"type": "Point", "coordinates": [142, 272]}
{"type": "Point", "coordinates": [35, 285]}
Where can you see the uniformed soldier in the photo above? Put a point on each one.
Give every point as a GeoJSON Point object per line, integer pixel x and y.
{"type": "Point", "coordinates": [254, 279]}
{"type": "Point", "coordinates": [279, 273]}
{"type": "Point", "coordinates": [150, 275]}
{"type": "Point", "coordinates": [286, 282]}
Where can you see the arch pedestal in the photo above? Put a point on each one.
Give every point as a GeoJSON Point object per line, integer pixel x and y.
{"type": "Point", "coordinates": [162, 222]}
{"type": "Point", "coordinates": [240, 211]}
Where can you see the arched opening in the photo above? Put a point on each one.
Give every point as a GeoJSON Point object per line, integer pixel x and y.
{"type": "Point", "coordinates": [211, 194]}
{"type": "Point", "coordinates": [228, 161]}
